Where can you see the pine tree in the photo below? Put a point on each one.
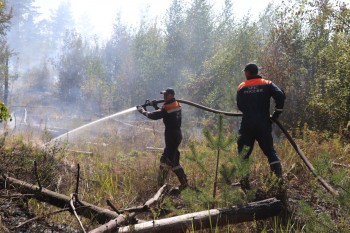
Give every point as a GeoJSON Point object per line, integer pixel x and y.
{"type": "Point", "coordinates": [234, 168]}
{"type": "Point", "coordinates": [218, 143]}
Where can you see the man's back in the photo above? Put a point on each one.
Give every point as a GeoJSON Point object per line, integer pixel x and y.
{"type": "Point", "coordinates": [172, 118]}
{"type": "Point", "coordinates": [253, 99]}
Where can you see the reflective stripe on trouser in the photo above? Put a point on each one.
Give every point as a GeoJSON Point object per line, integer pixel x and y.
{"type": "Point", "coordinates": [165, 165]}
{"type": "Point", "coordinates": [260, 133]}
{"type": "Point", "coordinates": [176, 168]}
{"type": "Point", "coordinates": [171, 156]}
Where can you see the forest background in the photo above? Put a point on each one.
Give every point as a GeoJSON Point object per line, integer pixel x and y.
{"type": "Point", "coordinates": [55, 77]}
{"type": "Point", "coordinates": [302, 46]}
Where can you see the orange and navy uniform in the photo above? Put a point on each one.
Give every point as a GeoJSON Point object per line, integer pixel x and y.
{"type": "Point", "coordinates": [253, 100]}
{"type": "Point", "coordinates": [171, 114]}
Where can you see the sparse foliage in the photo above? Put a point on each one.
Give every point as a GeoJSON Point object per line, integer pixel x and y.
{"type": "Point", "coordinates": [4, 113]}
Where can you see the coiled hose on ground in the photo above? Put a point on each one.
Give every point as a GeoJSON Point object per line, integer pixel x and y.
{"type": "Point", "coordinates": [301, 154]}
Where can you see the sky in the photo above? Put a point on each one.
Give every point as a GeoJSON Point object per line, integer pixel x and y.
{"type": "Point", "coordinates": [101, 14]}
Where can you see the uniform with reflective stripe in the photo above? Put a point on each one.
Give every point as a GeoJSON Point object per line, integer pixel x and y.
{"type": "Point", "coordinates": [171, 114]}
{"type": "Point", "coordinates": [253, 100]}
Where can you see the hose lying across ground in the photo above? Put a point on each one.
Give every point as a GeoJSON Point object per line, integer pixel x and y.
{"type": "Point", "coordinates": [328, 187]}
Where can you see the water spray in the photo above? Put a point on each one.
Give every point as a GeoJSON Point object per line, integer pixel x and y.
{"type": "Point", "coordinates": [234, 114]}
{"type": "Point", "coordinates": [301, 154]}
{"type": "Point", "coordinates": [87, 125]}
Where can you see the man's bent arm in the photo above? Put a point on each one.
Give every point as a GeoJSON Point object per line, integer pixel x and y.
{"type": "Point", "coordinates": [279, 97]}
{"type": "Point", "coordinates": [155, 115]}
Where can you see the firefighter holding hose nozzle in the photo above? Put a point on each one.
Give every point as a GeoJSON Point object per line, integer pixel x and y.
{"type": "Point", "coordinates": [253, 100]}
{"type": "Point", "coordinates": [171, 114]}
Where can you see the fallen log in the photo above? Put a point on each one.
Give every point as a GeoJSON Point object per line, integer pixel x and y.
{"type": "Point", "coordinates": [90, 211]}
{"type": "Point", "coordinates": [112, 225]}
{"type": "Point", "coordinates": [124, 219]}
{"type": "Point", "coordinates": [206, 219]}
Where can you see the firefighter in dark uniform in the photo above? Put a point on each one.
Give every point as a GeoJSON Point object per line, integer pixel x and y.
{"type": "Point", "coordinates": [171, 114]}
{"type": "Point", "coordinates": [253, 100]}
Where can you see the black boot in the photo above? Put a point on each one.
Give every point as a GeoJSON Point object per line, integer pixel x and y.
{"type": "Point", "coordinates": [180, 173]}
{"type": "Point", "coordinates": [276, 167]}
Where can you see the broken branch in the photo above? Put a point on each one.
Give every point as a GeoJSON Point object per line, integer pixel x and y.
{"type": "Point", "coordinates": [157, 198]}
{"type": "Point", "coordinates": [90, 211]}
{"type": "Point", "coordinates": [71, 202]}
{"type": "Point", "coordinates": [36, 175]}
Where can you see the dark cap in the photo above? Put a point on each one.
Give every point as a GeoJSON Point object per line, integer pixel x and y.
{"type": "Point", "coordinates": [252, 68]}
{"type": "Point", "coordinates": [168, 91]}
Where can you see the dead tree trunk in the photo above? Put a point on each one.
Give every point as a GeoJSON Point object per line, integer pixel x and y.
{"type": "Point", "coordinates": [59, 200]}
{"type": "Point", "coordinates": [206, 219]}
{"type": "Point", "coordinates": [6, 84]}
{"type": "Point", "coordinates": [124, 219]}
{"type": "Point", "coordinates": [113, 225]}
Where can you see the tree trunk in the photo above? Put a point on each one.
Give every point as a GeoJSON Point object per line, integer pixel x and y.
{"type": "Point", "coordinates": [6, 84]}
{"type": "Point", "coordinates": [206, 219]}
{"type": "Point", "coordinates": [113, 225]}
{"type": "Point", "coordinates": [59, 200]}
{"type": "Point", "coordinates": [123, 219]}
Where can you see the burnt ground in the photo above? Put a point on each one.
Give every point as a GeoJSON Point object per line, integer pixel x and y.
{"type": "Point", "coordinates": [17, 161]}
{"type": "Point", "coordinates": [14, 211]}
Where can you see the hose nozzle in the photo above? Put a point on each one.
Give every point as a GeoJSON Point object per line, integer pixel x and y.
{"type": "Point", "coordinates": [147, 103]}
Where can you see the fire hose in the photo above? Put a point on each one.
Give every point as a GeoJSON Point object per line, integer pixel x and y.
{"type": "Point", "coordinates": [301, 154]}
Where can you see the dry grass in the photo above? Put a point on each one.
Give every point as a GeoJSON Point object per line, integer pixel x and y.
{"type": "Point", "coordinates": [121, 170]}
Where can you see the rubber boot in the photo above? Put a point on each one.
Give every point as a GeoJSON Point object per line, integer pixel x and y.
{"type": "Point", "coordinates": [180, 173]}
{"type": "Point", "coordinates": [162, 175]}
{"type": "Point", "coordinates": [277, 169]}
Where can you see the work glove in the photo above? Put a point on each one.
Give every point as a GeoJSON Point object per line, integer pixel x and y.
{"type": "Point", "coordinates": [275, 115]}
{"type": "Point", "coordinates": [140, 109]}
{"type": "Point", "coordinates": [154, 104]}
